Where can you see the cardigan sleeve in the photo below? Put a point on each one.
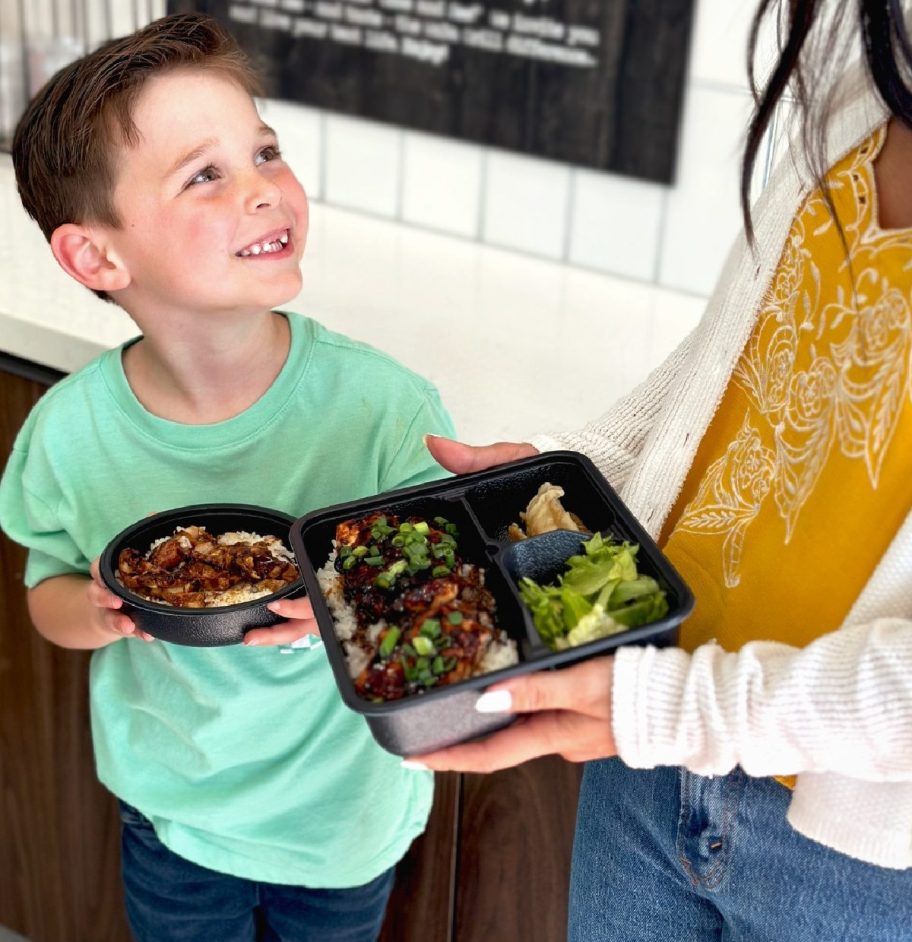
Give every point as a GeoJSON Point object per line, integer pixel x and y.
{"type": "Point", "coordinates": [842, 704]}
{"type": "Point", "coordinates": [614, 440]}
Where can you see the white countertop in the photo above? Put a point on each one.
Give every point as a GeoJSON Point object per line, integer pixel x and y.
{"type": "Point", "coordinates": [515, 344]}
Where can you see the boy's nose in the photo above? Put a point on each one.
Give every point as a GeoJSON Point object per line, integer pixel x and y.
{"type": "Point", "coordinates": [261, 193]}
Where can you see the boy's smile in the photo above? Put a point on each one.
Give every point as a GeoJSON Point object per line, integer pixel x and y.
{"type": "Point", "coordinates": [212, 218]}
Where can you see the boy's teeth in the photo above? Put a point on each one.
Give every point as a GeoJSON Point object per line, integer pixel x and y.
{"type": "Point", "coordinates": [265, 247]}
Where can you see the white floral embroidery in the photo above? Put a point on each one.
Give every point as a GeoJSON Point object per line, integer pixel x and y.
{"type": "Point", "coordinates": [826, 367]}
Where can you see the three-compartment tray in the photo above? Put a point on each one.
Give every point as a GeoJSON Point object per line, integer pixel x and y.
{"type": "Point", "coordinates": [483, 505]}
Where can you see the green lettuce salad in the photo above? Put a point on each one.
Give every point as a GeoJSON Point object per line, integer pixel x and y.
{"type": "Point", "coordinates": [600, 594]}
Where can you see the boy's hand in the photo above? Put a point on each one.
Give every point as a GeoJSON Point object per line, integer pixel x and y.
{"type": "Point", "coordinates": [105, 605]}
{"type": "Point", "coordinates": [300, 623]}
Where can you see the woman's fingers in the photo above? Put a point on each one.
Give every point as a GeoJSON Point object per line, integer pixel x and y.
{"type": "Point", "coordinates": [565, 712]}
{"type": "Point", "coordinates": [461, 458]}
{"type": "Point", "coordinates": [573, 736]}
{"type": "Point", "coordinates": [582, 688]}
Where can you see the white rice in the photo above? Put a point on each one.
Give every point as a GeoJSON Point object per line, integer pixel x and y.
{"type": "Point", "coordinates": [500, 654]}
{"type": "Point", "coordinates": [357, 656]}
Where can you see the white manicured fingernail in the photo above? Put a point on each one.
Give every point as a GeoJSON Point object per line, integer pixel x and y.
{"type": "Point", "coordinates": [494, 701]}
{"type": "Point", "coordinates": [411, 764]}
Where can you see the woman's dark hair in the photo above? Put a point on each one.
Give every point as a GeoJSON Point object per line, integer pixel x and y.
{"type": "Point", "coordinates": [813, 47]}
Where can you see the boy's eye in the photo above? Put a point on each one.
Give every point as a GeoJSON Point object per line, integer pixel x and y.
{"type": "Point", "coordinates": [270, 152]}
{"type": "Point", "coordinates": [206, 175]}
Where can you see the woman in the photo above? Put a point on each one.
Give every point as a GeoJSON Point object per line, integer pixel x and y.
{"type": "Point", "coordinates": [765, 787]}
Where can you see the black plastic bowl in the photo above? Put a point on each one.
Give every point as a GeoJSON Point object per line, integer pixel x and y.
{"type": "Point", "coordinates": [199, 627]}
{"type": "Point", "coordinates": [483, 505]}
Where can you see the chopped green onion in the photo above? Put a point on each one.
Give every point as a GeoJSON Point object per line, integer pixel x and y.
{"type": "Point", "coordinates": [424, 646]}
{"type": "Point", "coordinates": [455, 618]}
{"type": "Point", "coordinates": [349, 562]}
{"type": "Point", "coordinates": [430, 627]}
{"type": "Point", "coordinates": [440, 571]}
{"type": "Point", "coordinates": [438, 667]}
{"type": "Point", "coordinates": [389, 642]}
{"type": "Point", "coordinates": [360, 551]}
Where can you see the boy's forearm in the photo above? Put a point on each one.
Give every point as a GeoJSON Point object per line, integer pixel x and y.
{"type": "Point", "coordinates": [62, 613]}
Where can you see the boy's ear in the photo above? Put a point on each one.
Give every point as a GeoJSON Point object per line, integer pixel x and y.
{"type": "Point", "coordinates": [83, 256]}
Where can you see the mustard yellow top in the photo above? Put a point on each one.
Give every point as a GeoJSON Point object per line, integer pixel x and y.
{"type": "Point", "coordinates": [805, 473]}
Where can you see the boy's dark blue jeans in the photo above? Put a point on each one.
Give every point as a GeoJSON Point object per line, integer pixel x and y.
{"type": "Point", "coordinates": [170, 899]}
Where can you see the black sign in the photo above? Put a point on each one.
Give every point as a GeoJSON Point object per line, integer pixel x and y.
{"type": "Point", "coordinates": [596, 83]}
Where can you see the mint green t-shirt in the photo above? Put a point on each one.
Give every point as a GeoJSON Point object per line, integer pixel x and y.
{"type": "Point", "coordinates": [245, 759]}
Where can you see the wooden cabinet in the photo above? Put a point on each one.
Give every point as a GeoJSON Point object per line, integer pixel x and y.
{"type": "Point", "coordinates": [493, 865]}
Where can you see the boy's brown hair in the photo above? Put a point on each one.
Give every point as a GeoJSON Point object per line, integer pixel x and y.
{"type": "Point", "coordinates": [64, 146]}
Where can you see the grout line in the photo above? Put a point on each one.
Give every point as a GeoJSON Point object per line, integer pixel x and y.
{"type": "Point", "coordinates": [323, 149]}
{"type": "Point", "coordinates": [569, 213]}
{"type": "Point", "coordinates": [482, 198]}
{"type": "Point", "coordinates": [399, 210]}
{"type": "Point", "coordinates": [660, 239]}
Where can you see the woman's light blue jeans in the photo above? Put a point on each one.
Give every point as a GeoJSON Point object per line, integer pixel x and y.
{"type": "Point", "coordinates": [667, 856]}
{"type": "Point", "coordinates": [170, 899]}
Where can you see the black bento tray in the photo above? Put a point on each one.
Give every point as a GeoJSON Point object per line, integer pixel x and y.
{"type": "Point", "coordinates": [483, 505]}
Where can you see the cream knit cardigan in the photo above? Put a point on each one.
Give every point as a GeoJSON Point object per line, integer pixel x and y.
{"type": "Point", "coordinates": [837, 712]}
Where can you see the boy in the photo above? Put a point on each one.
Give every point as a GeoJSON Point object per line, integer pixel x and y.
{"type": "Point", "coordinates": [253, 801]}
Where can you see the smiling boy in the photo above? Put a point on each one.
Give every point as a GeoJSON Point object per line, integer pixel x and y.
{"type": "Point", "coordinates": [254, 805]}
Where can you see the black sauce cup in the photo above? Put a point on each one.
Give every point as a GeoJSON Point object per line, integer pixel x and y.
{"type": "Point", "coordinates": [198, 627]}
{"type": "Point", "coordinates": [483, 505]}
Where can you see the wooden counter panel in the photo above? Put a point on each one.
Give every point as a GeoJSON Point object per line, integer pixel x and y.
{"type": "Point", "coordinates": [59, 830]}
{"type": "Point", "coordinates": [515, 841]}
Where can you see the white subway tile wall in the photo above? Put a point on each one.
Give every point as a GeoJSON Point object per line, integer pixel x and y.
{"type": "Point", "coordinates": [674, 236]}
{"type": "Point", "coordinates": [362, 165]}
{"type": "Point", "coordinates": [616, 224]}
{"type": "Point", "coordinates": [702, 209]}
{"type": "Point", "coordinates": [442, 184]}
{"type": "Point", "coordinates": [526, 204]}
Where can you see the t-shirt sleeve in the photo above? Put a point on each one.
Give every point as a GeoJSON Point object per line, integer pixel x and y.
{"type": "Point", "coordinates": [412, 462]}
{"type": "Point", "coordinates": [29, 516]}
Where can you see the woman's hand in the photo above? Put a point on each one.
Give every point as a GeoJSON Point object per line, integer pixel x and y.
{"type": "Point", "coordinates": [300, 623]}
{"type": "Point", "coordinates": [461, 458]}
{"type": "Point", "coordinates": [105, 609]}
{"type": "Point", "coordinates": [564, 712]}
